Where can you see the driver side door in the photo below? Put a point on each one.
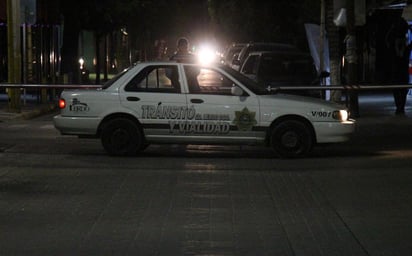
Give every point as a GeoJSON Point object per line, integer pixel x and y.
{"type": "Point", "coordinates": [220, 116]}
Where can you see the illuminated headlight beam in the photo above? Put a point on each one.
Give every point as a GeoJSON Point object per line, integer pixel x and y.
{"type": "Point", "coordinates": [206, 55]}
{"type": "Point", "coordinates": [341, 115]}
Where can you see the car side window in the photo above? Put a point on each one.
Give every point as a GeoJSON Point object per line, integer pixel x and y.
{"type": "Point", "coordinates": [272, 67]}
{"type": "Point", "coordinates": [207, 81]}
{"type": "Point", "coordinates": [155, 79]}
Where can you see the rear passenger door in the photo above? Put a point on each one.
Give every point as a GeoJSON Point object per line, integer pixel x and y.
{"type": "Point", "coordinates": [154, 94]}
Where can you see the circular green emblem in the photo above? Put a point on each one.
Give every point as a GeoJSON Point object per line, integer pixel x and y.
{"type": "Point", "coordinates": [245, 119]}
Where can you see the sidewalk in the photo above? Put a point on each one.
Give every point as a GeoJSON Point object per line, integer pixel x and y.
{"type": "Point", "coordinates": [30, 108]}
{"type": "Point", "coordinates": [381, 103]}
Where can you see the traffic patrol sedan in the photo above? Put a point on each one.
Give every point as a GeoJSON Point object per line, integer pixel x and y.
{"type": "Point", "coordinates": [166, 102]}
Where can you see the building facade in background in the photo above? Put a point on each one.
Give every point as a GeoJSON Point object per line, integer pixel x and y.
{"type": "Point", "coordinates": [41, 39]}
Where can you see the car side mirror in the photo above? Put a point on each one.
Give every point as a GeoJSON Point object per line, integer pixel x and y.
{"type": "Point", "coordinates": [236, 91]}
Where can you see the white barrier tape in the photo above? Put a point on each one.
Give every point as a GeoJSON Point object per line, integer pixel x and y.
{"type": "Point", "coordinates": [330, 87]}
{"type": "Point", "coordinates": [51, 86]}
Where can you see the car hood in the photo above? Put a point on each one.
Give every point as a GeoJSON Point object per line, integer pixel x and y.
{"type": "Point", "coordinates": [299, 101]}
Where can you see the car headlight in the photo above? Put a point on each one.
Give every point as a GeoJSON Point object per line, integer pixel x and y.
{"type": "Point", "coordinates": [341, 115]}
{"type": "Point", "coordinates": [206, 55]}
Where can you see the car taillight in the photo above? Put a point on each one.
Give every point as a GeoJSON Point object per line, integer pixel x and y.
{"type": "Point", "coordinates": [62, 103]}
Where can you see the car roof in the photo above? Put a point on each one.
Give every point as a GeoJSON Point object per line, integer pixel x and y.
{"type": "Point", "coordinates": [274, 53]}
{"type": "Point", "coordinates": [271, 44]}
{"type": "Point", "coordinates": [237, 44]}
{"type": "Point", "coordinates": [258, 46]}
{"type": "Point", "coordinates": [233, 47]}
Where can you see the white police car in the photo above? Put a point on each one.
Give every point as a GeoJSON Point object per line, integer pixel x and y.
{"type": "Point", "coordinates": [166, 102]}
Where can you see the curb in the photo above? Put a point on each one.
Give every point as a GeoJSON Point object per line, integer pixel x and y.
{"type": "Point", "coordinates": [40, 110]}
{"type": "Point", "coordinates": [28, 113]}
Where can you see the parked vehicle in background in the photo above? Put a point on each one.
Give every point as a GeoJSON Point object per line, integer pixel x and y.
{"type": "Point", "coordinates": [231, 52]}
{"type": "Point", "coordinates": [282, 68]}
{"type": "Point", "coordinates": [254, 47]}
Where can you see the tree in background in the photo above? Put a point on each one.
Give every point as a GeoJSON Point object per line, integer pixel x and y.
{"type": "Point", "coordinates": [275, 21]}
{"type": "Point", "coordinates": [71, 29]}
{"type": "Point", "coordinates": [149, 20]}
{"type": "Point", "coordinates": [144, 20]}
{"type": "Point", "coordinates": [102, 17]}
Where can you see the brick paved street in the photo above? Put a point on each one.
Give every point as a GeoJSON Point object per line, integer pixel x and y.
{"type": "Point", "coordinates": [65, 196]}
{"type": "Point", "coordinates": [203, 210]}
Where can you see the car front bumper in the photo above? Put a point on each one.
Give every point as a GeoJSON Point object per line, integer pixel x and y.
{"type": "Point", "coordinates": [331, 132]}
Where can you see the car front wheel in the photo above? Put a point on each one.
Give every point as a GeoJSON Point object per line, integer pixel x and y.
{"type": "Point", "coordinates": [291, 139]}
{"type": "Point", "coordinates": [121, 137]}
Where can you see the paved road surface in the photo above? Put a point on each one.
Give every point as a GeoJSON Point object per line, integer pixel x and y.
{"type": "Point", "coordinates": [63, 196]}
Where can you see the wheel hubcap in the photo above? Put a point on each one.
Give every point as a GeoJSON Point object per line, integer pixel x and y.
{"type": "Point", "coordinates": [290, 140]}
{"type": "Point", "coordinates": [120, 138]}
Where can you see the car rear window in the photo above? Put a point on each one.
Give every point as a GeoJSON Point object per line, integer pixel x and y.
{"type": "Point", "coordinates": [156, 79]}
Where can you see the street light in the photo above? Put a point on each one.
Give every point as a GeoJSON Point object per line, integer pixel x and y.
{"type": "Point", "coordinates": [81, 62]}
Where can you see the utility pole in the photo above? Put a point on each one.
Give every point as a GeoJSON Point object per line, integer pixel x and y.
{"type": "Point", "coordinates": [334, 51]}
{"type": "Point", "coordinates": [351, 58]}
{"type": "Point", "coordinates": [14, 53]}
{"type": "Point", "coordinates": [322, 38]}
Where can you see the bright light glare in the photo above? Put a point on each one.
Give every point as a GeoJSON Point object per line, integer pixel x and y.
{"type": "Point", "coordinates": [81, 62]}
{"type": "Point", "coordinates": [206, 55]}
{"type": "Point", "coordinates": [344, 115]}
{"type": "Point", "coordinates": [341, 115]}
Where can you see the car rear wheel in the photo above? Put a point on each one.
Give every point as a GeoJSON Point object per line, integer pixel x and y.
{"type": "Point", "coordinates": [291, 139]}
{"type": "Point", "coordinates": [121, 137]}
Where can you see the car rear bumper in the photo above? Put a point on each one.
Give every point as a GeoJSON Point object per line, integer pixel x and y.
{"type": "Point", "coordinates": [76, 125]}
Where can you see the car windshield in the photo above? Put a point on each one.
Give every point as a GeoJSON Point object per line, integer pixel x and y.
{"type": "Point", "coordinates": [232, 51]}
{"type": "Point", "coordinates": [249, 83]}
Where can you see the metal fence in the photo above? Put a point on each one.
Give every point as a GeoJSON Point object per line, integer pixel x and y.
{"type": "Point", "coordinates": [43, 93]}
{"type": "Point", "coordinates": [51, 86]}
{"type": "Point", "coordinates": [274, 88]}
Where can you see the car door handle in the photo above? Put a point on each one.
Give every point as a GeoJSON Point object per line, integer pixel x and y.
{"type": "Point", "coordinates": [197, 101]}
{"type": "Point", "coordinates": [133, 98]}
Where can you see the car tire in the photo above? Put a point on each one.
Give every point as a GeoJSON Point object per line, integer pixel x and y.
{"type": "Point", "coordinates": [122, 137]}
{"type": "Point", "coordinates": [291, 139]}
